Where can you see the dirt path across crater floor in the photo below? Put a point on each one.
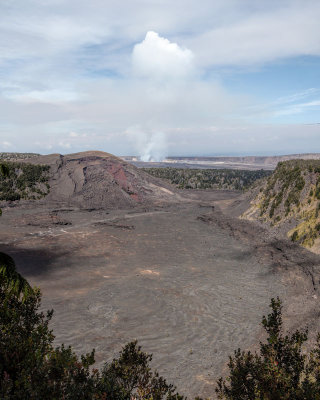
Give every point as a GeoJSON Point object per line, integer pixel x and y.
{"type": "Point", "coordinates": [187, 281]}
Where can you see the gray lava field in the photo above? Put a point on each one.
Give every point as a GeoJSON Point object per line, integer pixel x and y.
{"type": "Point", "coordinates": [187, 280]}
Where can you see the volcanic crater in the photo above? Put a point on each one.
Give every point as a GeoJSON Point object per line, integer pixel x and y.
{"type": "Point", "coordinates": [120, 255]}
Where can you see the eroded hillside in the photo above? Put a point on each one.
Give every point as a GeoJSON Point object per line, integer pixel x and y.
{"type": "Point", "coordinates": [290, 201]}
{"type": "Point", "coordinates": [95, 179]}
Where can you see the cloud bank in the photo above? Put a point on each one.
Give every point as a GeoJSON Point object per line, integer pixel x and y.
{"type": "Point", "coordinates": [78, 75]}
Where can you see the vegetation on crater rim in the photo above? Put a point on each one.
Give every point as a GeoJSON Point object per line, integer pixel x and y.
{"type": "Point", "coordinates": [17, 156]}
{"type": "Point", "coordinates": [24, 181]}
{"type": "Point", "coordinates": [228, 179]}
{"type": "Point", "coordinates": [292, 193]}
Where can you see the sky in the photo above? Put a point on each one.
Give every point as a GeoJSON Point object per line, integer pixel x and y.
{"type": "Point", "coordinates": [160, 78]}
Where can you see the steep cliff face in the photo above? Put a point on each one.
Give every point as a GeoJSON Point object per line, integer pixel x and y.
{"type": "Point", "coordinates": [289, 200]}
{"type": "Point", "coordinates": [96, 179]}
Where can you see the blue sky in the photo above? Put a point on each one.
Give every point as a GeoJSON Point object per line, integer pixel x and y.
{"type": "Point", "coordinates": [157, 78]}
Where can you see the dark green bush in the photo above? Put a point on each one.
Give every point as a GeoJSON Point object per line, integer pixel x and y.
{"type": "Point", "coordinates": [300, 183]}
{"type": "Point", "coordinates": [31, 368]}
{"type": "Point", "coordinates": [294, 236]}
{"type": "Point", "coordinates": [282, 370]}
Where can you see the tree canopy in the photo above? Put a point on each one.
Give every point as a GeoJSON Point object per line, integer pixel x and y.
{"type": "Point", "coordinates": [31, 367]}
{"type": "Point", "coordinates": [282, 370]}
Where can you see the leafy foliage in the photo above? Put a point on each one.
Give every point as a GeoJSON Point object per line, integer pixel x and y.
{"type": "Point", "coordinates": [282, 371]}
{"type": "Point", "coordinates": [131, 374]}
{"type": "Point", "coordinates": [32, 368]}
{"type": "Point", "coordinates": [11, 280]}
{"type": "Point", "coordinates": [209, 178]}
{"type": "Point", "coordinates": [24, 181]}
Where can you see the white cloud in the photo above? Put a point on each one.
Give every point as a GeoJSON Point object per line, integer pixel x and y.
{"type": "Point", "coordinates": [285, 31]}
{"type": "Point", "coordinates": [77, 135]}
{"type": "Point", "coordinates": [64, 145]}
{"type": "Point", "coordinates": [157, 58]}
{"type": "Point", "coordinates": [45, 96]}
{"type": "Point", "coordinates": [298, 108]}
{"type": "Point", "coordinates": [44, 145]}
{"type": "Point", "coordinates": [6, 144]}
{"type": "Point", "coordinates": [219, 32]}
{"type": "Point", "coordinates": [287, 105]}
{"type": "Point", "coordinates": [99, 67]}
{"type": "Point", "coordinates": [297, 96]}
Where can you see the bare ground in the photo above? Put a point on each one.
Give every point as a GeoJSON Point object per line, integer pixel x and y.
{"type": "Point", "coordinates": [187, 280]}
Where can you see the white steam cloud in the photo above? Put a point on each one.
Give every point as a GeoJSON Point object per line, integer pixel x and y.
{"type": "Point", "coordinates": [157, 58]}
{"type": "Point", "coordinates": [160, 65]}
{"type": "Point", "coordinates": [149, 146]}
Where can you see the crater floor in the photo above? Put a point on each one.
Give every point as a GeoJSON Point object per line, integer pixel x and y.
{"type": "Point", "coordinates": [190, 291]}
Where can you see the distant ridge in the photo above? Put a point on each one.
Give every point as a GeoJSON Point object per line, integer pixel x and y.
{"type": "Point", "coordinates": [244, 162]}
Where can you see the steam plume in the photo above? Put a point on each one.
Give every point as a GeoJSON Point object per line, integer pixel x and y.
{"type": "Point", "coordinates": [149, 146]}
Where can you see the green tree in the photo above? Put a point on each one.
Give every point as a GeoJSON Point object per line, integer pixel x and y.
{"type": "Point", "coordinates": [282, 371]}
{"type": "Point", "coordinates": [14, 282]}
{"type": "Point", "coordinates": [9, 277]}
{"type": "Point", "coordinates": [32, 368]}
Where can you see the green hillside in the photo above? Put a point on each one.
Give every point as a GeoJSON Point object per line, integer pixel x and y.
{"type": "Point", "coordinates": [291, 195]}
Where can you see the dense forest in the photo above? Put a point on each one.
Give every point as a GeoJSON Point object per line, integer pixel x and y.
{"type": "Point", "coordinates": [17, 156]}
{"type": "Point", "coordinates": [228, 179]}
{"type": "Point", "coordinates": [24, 181]}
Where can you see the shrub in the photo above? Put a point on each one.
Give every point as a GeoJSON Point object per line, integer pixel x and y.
{"type": "Point", "coordinates": [300, 182]}
{"type": "Point", "coordinates": [32, 368]}
{"type": "Point", "coordinates": [280, 371]}
{"type": "Point", "coordinates": [271, 212]}
{"type": "Point", "coordinates": [295, 236]}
